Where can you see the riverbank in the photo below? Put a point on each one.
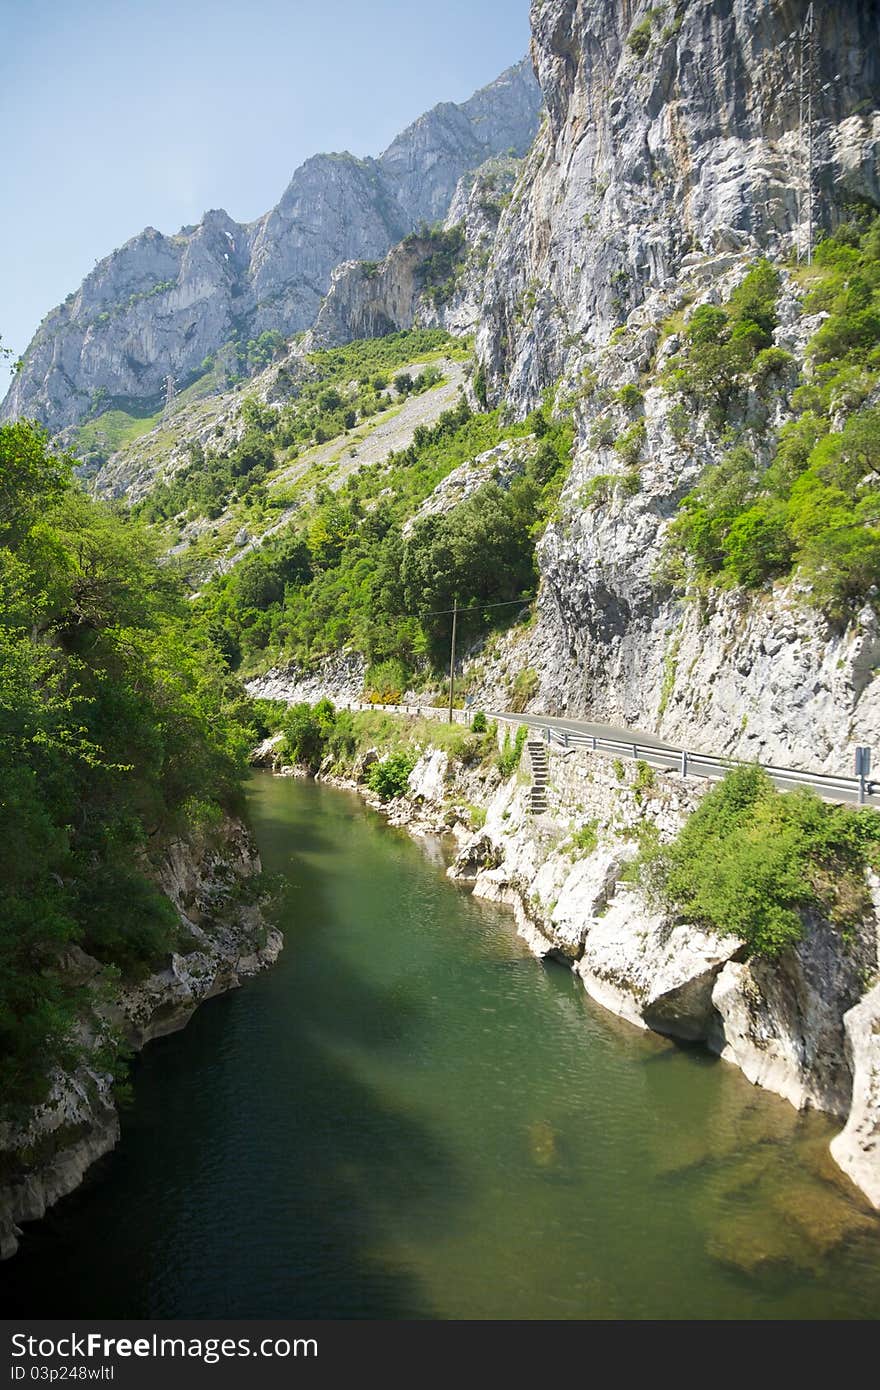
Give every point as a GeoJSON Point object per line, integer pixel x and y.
{"type": "Point", "coordinates": [224, 940]}
{"type": "Point", "coordinates": [804, 1024]}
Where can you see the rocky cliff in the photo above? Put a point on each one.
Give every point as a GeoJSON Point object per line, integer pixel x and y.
{"type": "Point", "coordinates": [672, 132]}
{"type": "Point", "coordinates": [432, 280]}
{"type": "Point", "coordinates": [163, 305]}
{"type": "Point", "coordinates": [46, 1156]}
{"type": "Point", "coordinates": [670, 159]}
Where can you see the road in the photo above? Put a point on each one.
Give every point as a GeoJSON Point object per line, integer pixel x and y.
{"type": "Point", "coordinates": [634, 743]}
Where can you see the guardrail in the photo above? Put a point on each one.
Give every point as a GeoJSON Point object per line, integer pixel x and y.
{"type": "Point", "coordinates": [441, 712]}
{"type": "Point", "coordinates": [682, 760]}
{"type": "Point", "coordinates": [659, 755]}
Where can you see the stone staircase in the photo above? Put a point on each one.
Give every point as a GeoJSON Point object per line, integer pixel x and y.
{"type": "Point", "coordinates": [538, 789]}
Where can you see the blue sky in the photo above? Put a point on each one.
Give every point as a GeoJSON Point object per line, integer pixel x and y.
{"type": "Point", "coordinates": [116, 116]}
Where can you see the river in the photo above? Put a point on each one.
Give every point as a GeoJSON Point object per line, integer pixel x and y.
{"type": "Point", "coordinates": [410, 1117]}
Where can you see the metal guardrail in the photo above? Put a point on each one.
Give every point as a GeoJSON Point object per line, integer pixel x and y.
{"type": "Point", "coordinates": [659, 755]}
{"type": "Point", "coordinates": [700, 764]}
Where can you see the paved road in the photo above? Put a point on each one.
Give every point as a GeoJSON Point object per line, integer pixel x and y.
{"type": "Point", "coordinates": [635, 743]}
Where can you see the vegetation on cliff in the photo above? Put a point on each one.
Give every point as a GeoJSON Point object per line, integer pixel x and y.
{"type": "Point", "coordinates": [323, 736]}
{"type": "Point", "coordinates": [332, 392]}
{"type": "Point", "coordinates": [815, 510]}
{"type": "Point", "coordinates": [343, 574]}
{"type": "Point", "coordinates": [751, 861]}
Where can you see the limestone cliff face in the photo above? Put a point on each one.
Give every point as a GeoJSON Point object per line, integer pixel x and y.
{"type": "Point", "coordinates": [683, 142]}
{"type": "Point", "coordinates": [162, 304]}
{"type": "Point", "coordinates": [662, 170]}
{"type": "Point", "coordinates": [46, 1157]}
{"type": "Point", "coordinates": [368, 300]}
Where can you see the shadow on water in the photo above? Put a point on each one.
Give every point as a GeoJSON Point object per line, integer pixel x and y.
{"type": "Point", "coordinates": [255, 1163]}
{"type": "Point", "coordinates": [406, 1118]}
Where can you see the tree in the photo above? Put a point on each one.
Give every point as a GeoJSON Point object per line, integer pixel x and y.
{"type": "Point", "coordinates": [113, 722]}
{"type": "Point", "coordinates": [257, 583]}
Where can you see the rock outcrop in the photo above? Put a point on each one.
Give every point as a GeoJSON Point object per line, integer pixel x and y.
{"type": "Point", "coordinates": [368, 299]}
{"type": "Point", "coordinates": [671, 131]}
{"type": "Point", "coordinates": [165, 305]}
{"type": "Point", "coordinates": [669, 160]}
{"type": "Point", "coordinates": [857, 1147]}
{"type": "Point", "coordinates": [340, 676]}
{"type": "Point", "coordinates": [47, 1156]}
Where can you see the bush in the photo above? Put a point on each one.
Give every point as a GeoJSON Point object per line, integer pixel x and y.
{"type": "Point", "coordinates": [389, 778]}
{"type": "Point", "coordinates": [770, 362]}
{"type": "Point", "coordinates": [723, 343]}
{"type": "Point", "coordinates": [629, 445]}
{"type": "Point", "coordinates": [629, 396]}
{"type": "Point", "coordinates": [639, 40]}
{"type": "Point", "coordinates": [758, 544]}
{"type": "Point", "coordinates": [385, 681]}
{"type": "Point", "coordinates": [525, 687]}
{"type": "Point", "coordinates": [307, 730]}
{"type": "Point", "coordinates": [751, 859]}
{"type": "Point", "coordinates": [583, 840]}
{"type": "Point", "coordinates": [479, 724]}
{"type": "Point", "coordinates": [511, 753]}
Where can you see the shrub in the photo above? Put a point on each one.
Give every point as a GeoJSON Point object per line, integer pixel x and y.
{"type": "Point", "coordinates": [639, 40]}
{"type": "Point", "coordinates": [629, 445]}
{"type": "Point", "coordinates": [629, 396]}
{"type": "Point", "coordinates": [511, 753]}
{"type": "Point", "coordinates": [750, 859]}
{"type": "Point", "coordinates": [307, 730]}
{"type": "Point", "coordinates": [721, 343]}
{"type": "Point", "coordinates": [598, 491]}
{"type": "Point", "coordinates": [385, 681]}
{"type": "Point", "coordinates": [846, 335]}
{"type": "Point", "coordinates": [479, 724]}
{"type": "Point", "coordinates": [583, 840]}
{"type": "Point", "coordinates": [771, 361]}
{"type": "Point", "coordinates": [524, 689]}
{"type": "Point", "coordinates": [679, 422]}
{"type": "Point", "coordinates": [758, 543]}
{"type": "Point", "coordinates": [389, 778]}
{"type": "Point", "coordinates": [646, 777]}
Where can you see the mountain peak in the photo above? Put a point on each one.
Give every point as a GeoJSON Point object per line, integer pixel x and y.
{"type": "Point", "coordinates": [163, 305]}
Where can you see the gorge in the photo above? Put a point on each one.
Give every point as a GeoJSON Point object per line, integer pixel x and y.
{"type": "Point", "coordinates": [406, 1117]}
{"type": "Point", "coordinates": [591, 360]}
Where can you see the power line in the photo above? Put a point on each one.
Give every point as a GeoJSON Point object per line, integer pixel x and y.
{"type": "Point", "coordinates": [473, 608]}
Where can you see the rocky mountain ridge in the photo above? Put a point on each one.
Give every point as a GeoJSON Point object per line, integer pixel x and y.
{"type": "Point", "coordinates": [166, 305]}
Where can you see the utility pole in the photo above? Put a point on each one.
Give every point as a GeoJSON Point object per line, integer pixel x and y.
{"type": "Point", "coordinates": [452, 658]}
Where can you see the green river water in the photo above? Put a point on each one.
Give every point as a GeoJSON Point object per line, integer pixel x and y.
{"type": "Point", "coordinates": [410, 1117]}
